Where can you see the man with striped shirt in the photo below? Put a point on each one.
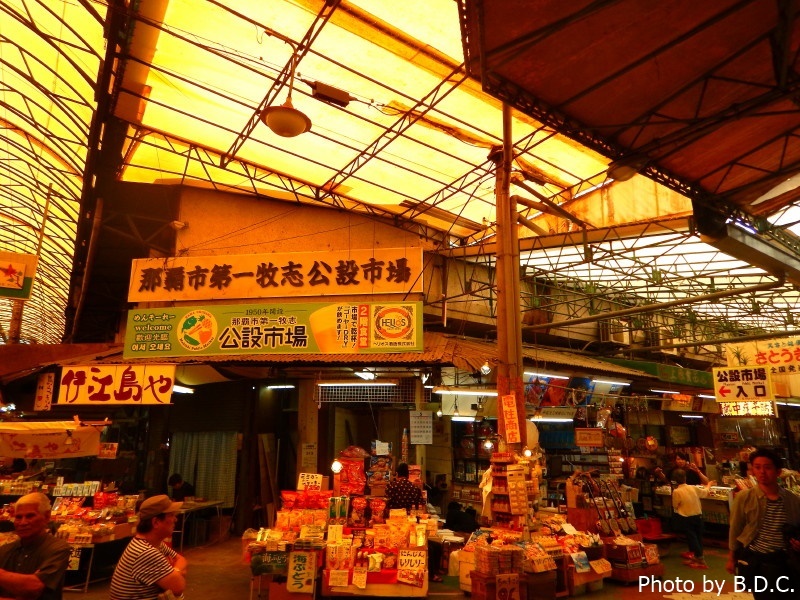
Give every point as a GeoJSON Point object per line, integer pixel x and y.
{"type": "Point", "coordinates": [149, 567]}
{"type": "Point", "coordinates": [758, 547]}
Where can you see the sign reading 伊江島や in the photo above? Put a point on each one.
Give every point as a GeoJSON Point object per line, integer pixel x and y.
{"type": "Point", "coordinates": [116, 384]}
{"type": "Point", "coordinates": [277, 275]}
{"type": "Point", "coordinates": [342, 328]}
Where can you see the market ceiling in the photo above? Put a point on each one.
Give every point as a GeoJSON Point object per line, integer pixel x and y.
{"type": "Point", "coordinates": [699, 96]}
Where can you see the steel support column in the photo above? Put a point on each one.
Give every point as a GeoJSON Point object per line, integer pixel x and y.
{"type": "Point", "coordinates": [509, 319]}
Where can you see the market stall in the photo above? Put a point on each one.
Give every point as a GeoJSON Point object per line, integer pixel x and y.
{"type": "Point", "coordinates": [357, 547]}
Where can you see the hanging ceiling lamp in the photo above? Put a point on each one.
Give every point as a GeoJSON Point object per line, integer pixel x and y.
{"type": "Point", "coordinates": [285, 120]}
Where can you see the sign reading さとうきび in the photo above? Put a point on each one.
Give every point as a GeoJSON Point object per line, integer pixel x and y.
{"type": "Point", "coordinates": [343, 328]}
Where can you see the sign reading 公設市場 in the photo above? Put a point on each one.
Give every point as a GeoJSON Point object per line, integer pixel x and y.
{"type": "Point", "coordinates": [277, 275]}
{"type": "Point", "coordinates": [314, 327]}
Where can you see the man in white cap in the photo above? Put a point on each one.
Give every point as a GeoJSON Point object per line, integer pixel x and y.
{"type": "Point", "coordinates": [149, 567]}
{"type": "Point", "coordinates": [34, 566]}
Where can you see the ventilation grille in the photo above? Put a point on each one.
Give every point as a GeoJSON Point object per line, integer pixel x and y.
{"type": "Point", "coordinates": [403, 393]}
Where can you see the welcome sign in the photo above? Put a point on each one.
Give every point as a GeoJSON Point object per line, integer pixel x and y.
{"type": "Point", "coordinates": [349, 328]}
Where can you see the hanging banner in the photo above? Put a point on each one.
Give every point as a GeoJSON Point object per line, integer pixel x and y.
{"type": "Point", "coordinates": [277, 275]}
{"type": "Point", "coordinates": [306, 328]}
{"type": "Point", "coordinates": [421, 425]}
{"type": "Point", "coordinates": [17, 272]}
{"type": "Point", "coordinates": [44, 392]}
{"type": "Point", "coordinates": [116, 384]}
{"type": "Point", "coordinates": [48, 439]}
{"type": "Point", "coordinates": [511, 418]}
{"type": "Point", "coordinates": [779, 356]}
{"type": "Point", "coordinates": [742, 384]}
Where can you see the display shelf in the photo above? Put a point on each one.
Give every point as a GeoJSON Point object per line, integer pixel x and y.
{"type": "Point", "coordinates": [470, 457]}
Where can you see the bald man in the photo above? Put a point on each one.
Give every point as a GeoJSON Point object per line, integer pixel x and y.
{"type": "Point", "coordinates": [33, 567]}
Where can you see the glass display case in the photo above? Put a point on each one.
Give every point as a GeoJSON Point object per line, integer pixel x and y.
{"type": "Point", "coordinates": [470, 456]}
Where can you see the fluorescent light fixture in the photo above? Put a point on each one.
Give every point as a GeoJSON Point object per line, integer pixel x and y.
{"type": "Point", "coordinates": [365, 375]}
{"type": "Point", "coordinates": [351, 383]}
{"type": "Point", "coordinates": [281, 386]}
{"type": "Point", "coordinates": [180, 389]}
{"type": "Point", "coordinates": [462, 419]}
{"type": "Point", "coordinates": [550, 420]}
{"type": "Point", "coordinates": [692, 416]}
{"type": "Point", "coordinates": [796, 404]}
{"type": "Point", "coordinates": [464, 391]}
{"type": "Point", "coordinates": [707, 396]}
{"type": "Point", "coordinates": [623, 383]}
{"type": "Point", "coordinates": [665, 392]}
{"type": "Point", "coordinates": [548, 375]}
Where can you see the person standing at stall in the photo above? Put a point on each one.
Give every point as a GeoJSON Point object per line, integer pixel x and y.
{"type": "Point", "coordinates": [148, 567]}
{"type": "Point", "coordinates": [694, 476]}
{"type": "Point", "coordinates": [759, 548]}
{"type": "Point", "coordinates": [689, 518]}
{"type": "Point", "coordinates": [33, 567]}
{"type": "Point", "coordinates": [401, 493]}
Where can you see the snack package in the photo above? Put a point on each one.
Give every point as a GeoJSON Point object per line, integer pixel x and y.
{"type": "Point", "coordinates": [375, 562]}
{"type": "Point", "coordinates": [333, 509]}
{"type": "Point", "coordinates": [344, 507]}
{"type": "Point", "coordinates": [358, 512]}
{"type": "Point", "coordinates": [288, 499]}
{"type": "Point", "coordinates": [390, 560]}
{"type": "Point", "coordinates": [381, 535]}
{"type": "Point", "coordinates": [377, 507]}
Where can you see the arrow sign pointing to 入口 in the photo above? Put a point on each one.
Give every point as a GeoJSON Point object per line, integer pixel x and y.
{"type": "Point", "coordinates": [724, 391]}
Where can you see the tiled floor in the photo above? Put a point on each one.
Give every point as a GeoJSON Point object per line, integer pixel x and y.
{"type": "Point", "coordinates": [217, 573]}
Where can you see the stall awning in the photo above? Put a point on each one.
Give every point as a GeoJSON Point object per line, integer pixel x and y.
{"type": "Point", "coordinates": [48, 439]}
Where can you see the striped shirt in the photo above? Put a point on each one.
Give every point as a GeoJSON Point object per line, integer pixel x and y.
{"type": "Point", "coordinates": [138, 570]}
{"type": "Point", "coordinates": [770, 535]}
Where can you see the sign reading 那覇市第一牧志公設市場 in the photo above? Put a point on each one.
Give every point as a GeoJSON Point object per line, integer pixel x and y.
{"type": "Point", "coordinates": [277, 275]}
{"type": "Point", "coordinates": [313, 327]}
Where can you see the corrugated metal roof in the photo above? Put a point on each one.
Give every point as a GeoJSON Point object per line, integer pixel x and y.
{"type": "Point", "coordinates": [441, 349]}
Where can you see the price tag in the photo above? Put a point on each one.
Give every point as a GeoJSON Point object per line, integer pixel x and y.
{"type": "Point", "coordinates": [360, 577]}
{"type": "Point", "coordinates": [309, 481]}
{"type": "Point", "coordinates": [339, 578]}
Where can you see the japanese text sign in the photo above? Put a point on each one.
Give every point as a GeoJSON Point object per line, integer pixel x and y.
{"type": "Point", "coordinates": [421, 425]}
{"type": "Point", "coordinates": [779, 356]}
{"type": "Point", "coordinates": [301, 573]}
{"type": "Point", "coordinates": [508, 586]}
{"type": "Point", "coordinates": [277, 275]}
{"type": "Point", "coordinates": [375, 327]}
{"type": "Point", "coordinates": [49, 439]}
{"type": "Point", "coordinates": [412, 559]}
{"type": "Point", "coordinates": [733, 384]}
{"type": "Point", "coordinates": [338, 578]}
{"type": "Point", "coordinates": [309, 481]}
{"type": "Point", "coordinates": [510, 418]}
{"type": "Point", "coordinates": [116, 384]}
{"type": "Point", "coordinates": [44, 391]}
{"type": "Point", "coordinates": [108, 450]}
{"type": "Point", "coordinates": [17, 272]}
{"type": "Point", "coordinates": [748, 409]}
{"type": "Point", "coordinates": [589, 437]}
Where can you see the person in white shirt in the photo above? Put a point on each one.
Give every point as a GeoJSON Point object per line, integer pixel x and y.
{"type": "Point", "coordinates": [688, 515]}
